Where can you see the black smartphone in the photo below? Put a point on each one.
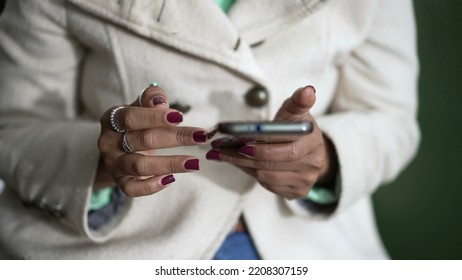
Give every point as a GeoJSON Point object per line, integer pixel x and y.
{"type": "Point", "coordinates": [241, 133]}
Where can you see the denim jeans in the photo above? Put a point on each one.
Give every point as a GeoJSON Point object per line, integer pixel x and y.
{"type": "Point", "coordinates": [237, 246]}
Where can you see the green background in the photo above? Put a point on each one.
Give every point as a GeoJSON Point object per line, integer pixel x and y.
{"type": "Point", "coordinates": [420, 214]}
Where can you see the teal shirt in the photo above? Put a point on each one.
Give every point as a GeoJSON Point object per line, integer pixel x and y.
{"type": "Point", "coordinates": [225, 5]}
{"type": "Point", "coordinates": [100, 198]}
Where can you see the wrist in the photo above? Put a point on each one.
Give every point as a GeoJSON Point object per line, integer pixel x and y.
{"type": "Point", "coordinates": [329, 170]}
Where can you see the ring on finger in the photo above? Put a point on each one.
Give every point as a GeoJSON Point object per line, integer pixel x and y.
{"type": "Point", "coordinates": [113, 120]}
{"type": "Point", "coordinates": [125, 146]}
{"type": "Point", "coordinates": [152, 84]}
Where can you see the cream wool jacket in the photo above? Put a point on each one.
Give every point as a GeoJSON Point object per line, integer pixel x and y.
{"type": "Point", "coordinates": [63, 63]}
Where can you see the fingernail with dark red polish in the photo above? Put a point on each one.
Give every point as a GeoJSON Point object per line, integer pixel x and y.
{"type": "Point", "coordinates": [248, 151]}
{"type": "Point", "coordinates": [192, 164]}
{"type": "Point", "coordinates": [174, 117]}
{"type": "Point", "coordinates": [213, 155]}
{"type": "Point", "coordinates": [158, 100]}
{"type": "Point", "coordinates": [167, 180]}
{"type": "Point", "coordinates": [200, 136]}
{"type": "Point", "coordinates": [312, 88]}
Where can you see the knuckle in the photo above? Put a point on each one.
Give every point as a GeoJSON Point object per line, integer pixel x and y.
{"type": "Point", "coordinates": [126, 118]}
{"type": "Point", "coordinates": [261, 175]}
{"type": "Point", "coordinates": [146, 189]}
{"type": "Point", "coordinates": [299, 193]}
{"type": "Point", "coordinates": [317, 157]}
{"type": "Point", "coordinates": [171, 166]}
{"type": "Point", "coordinates": [309, 179]}
{"type": "Point", "coordinates": [312, 178]}
{"type": "Point", "coordinates": [181, 137]}
{"type": "Point", "coordinates": [146, 138]}
{"type": "Point", "coordinates": [104, 120]}
{"type": "Point", "coordinates": [319, 162]}
{"type": "Point", "coordinates": [127, 190]}
{"type": "Point", "coordinates": [105, 145]}
{"type": "Point", "coordinates": [138, 167]}
{"type": "Point", "coordinates": [102, 146]}
{"type": "Point", "coordinates": [155, 118]}
{"type": "Point", "coordinates": [264, 164]}
{"type": "Point", "coordinates": [149, 188]}
{"type": "Point", "coordinates": [266, 153]}
{"type": "Point", "coordinates": [292, 153]}
{"type": "Point", "coordinates": [289, 153]}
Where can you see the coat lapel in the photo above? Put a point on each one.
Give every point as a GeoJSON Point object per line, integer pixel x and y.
{"type": "Point", "coordinates": [201, 29]}
{"type": "Point", "coordinates": [256, 20]}
{"type": "Point", "coordinates": [196, 27]}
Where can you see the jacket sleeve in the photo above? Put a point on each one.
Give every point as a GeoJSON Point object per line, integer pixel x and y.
{"type": "Point", "coordinates": [372, 121]}
{"type": "Point", "coordinates": [48, 152]}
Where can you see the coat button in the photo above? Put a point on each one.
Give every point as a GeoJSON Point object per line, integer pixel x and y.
{"type": "Point", "coordinates": [257, 97]}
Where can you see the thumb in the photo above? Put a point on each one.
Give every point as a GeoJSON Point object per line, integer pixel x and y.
{"type": "Point", "coordinates": [298, 105]}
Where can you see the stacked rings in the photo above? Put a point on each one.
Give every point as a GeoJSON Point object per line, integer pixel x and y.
{"type": "Point", "coordinates": [113, 120]}
{"type": "Point", "coordinates": [125, 144]}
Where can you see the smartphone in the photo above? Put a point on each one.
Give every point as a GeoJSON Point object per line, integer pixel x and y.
{"type": "Point", "coordinates": [241, 133]}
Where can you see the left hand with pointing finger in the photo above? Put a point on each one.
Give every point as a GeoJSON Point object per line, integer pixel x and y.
{"type": "Point", "coordinates": [287, 169]}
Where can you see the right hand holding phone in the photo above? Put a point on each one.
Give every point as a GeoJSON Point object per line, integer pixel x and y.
{"type": "Point", "coordinates": [287, 169]}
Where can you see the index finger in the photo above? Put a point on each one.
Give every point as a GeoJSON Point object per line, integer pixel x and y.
{"type": "Point", "coordinates": [278, 152]}
{"type": "Point", "coordinates": [131, 118]}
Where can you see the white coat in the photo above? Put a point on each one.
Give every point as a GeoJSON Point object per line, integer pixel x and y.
{"type": "Point", "coordinates": [63, 63]}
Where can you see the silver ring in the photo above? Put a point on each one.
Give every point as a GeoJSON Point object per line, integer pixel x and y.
{"type": "Point", "coordinates": [125, 144]}
{"type": "Point", "coordinates": [114, 124]}
{"type": "Point", "coordinates": [152, 84]}
{"type": "Point", "coordinates": [139, 97]}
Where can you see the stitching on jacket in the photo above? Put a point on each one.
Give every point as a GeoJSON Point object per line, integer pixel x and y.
{"type": "Point", "coordinates": [123, 80]}
{"type": "Point", "coordinates": [226, 59]}
{"type": "Point", "coordinates": [161, 10]}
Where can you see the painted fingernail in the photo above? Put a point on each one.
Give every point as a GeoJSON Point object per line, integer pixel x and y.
{"type": "Point", "coordinates": [167, 180]}
{"type": "Point", "coordinates": [200, 136]}
{"type": "Point", "coordinates": [311, 87]}
{"type": "Point", "coordinates": [248, 151]}
{"type": "Point", "coordinates": [191, 164]}
{"type": "Point", "coordinates": [154, 84]}
{"type": "Point", "coordinates": [158, 100]}
{"type": "Point", "coordinates": [213, 155]}
{"type": "Point", "coordinates": [174, 117]}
